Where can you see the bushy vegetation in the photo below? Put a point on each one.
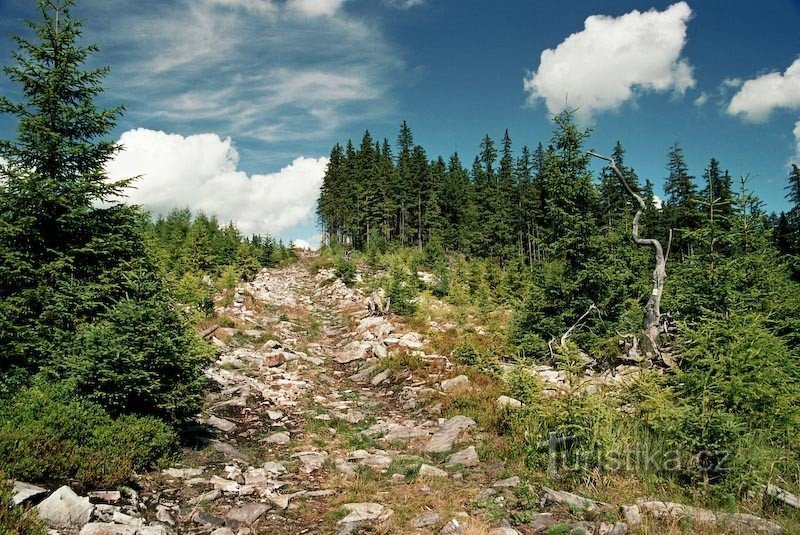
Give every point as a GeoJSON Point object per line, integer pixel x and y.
{"type": "Point", "coordinates": [528, 245]}
{"type": "Point", "coordinates": [97, 364]}
{"type": "Point", "coordinates": [17, 519]}
{"type": "Point", "coordinates": [46, 433]}
{"type": "Point", "coordinates": [199, 257]}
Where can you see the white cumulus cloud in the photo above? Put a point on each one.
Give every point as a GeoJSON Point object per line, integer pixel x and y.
{"type": "Point", "coordinates": [613, 59]}
{"type": "Point", "coordinates": [201, 172]}
{"type": "Point", "coordinates": [759, 97]}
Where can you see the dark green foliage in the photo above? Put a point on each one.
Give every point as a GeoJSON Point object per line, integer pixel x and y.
{"type": "Point", "coordinates": [138, 357]}
{"type": "Point", "coordinates": [47, 433]}
{"type": "Point", "coordinates": [402, 289]}
{"type": "Point", "coordinates": [78, 291]}
{"type": "Point", "coordinates": [345, 270]}
{"type": "Point", "coordinates": [17, 519]}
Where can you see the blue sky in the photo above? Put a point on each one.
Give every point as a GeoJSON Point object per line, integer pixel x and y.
{"type": "Point", "coordinates": [233, 105]}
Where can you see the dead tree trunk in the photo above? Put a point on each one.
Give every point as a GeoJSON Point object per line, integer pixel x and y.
{"type": "Point", "coordinates": [652, 327]}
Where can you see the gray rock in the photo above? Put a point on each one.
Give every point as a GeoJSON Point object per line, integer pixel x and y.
{"type": "Point", "coordinates": [65, 509]}
{"type": "Point", "coordinates": [427, 520]}
{"type": "Point", "coordinates": [228, 450]}
{"type": "Point", "coordinates": [182, 473]}
{"type": "Point", "coordinates": [485, 494]}
{"type": "Point", "coordinates": [209, 496]}
{"type": "Point", "coordinates": [23, 492]}
{"type": "Point", "coordinates": [510, 482]}
{"type": "Point", "coordinates": [274, 468]}
{"type": "Point", "coordinates": [281, 438]}
{"type": "Point", "coordinates": [542, 522]}
{"type": "Point", "coordinates": [412, 341]}
{"type": "Point", "coordinates": [365, 511]}
{"type": "Point", "coordinates": [99, 528]}
{"type": "Point", "coordinates": [310, 460]}
{"type": "Point", "coordinates": [632, 515]}
{"type": "Point", "coordinates": [226, 426]}
{"type": "Point", "coordinates": [454, 527]}
{"type": "Point", "coordinates": [444, 437]}
{"type": "Point", "coordinates": [381, 377]}
{"type": "Point", "coordinates": [455, 383]}
{"type": "Point", "coordinates": [246, 514]}
{"type": "Point", "coordinates": [365, 374]}
{"type": "Point", "coordinates": [579, 503]}
{"type": "Point", "coordinates": [164, 515]}
{"type": "Point", "coordinates": [467, 457]}
{"type": "Point", "coordinates": [427, 470]}
{"type": "Point", "coordinates": [105, 496]}
{"type": "Point", "coordinates": [505, 401]}
{"type": "Point", "coordinates": [504, 530]}
{"type": "Point", "coordinates": [223, 531]}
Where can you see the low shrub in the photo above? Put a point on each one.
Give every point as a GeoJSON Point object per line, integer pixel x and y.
{"type": "Point", "coordinates": [17, 519]}
{"type": "Point", "coordinates": [345, 271]}
{"type": "Point", "coordinates": [47, 433]}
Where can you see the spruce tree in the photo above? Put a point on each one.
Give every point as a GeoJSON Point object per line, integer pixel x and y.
{"type": "Point", "coordinates": [74, 271]}
{"type": "Point", "coordinates": [681, 208]}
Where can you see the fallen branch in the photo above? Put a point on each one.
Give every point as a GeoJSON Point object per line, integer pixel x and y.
{"type": "Point", "coordinates": [576, 324]}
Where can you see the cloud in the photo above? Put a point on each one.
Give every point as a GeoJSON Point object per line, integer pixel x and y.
{"type": "Point", "coordinates": [315, 8]}
{"type": "Point", "coordinates": [200, 171]}
{"type": "Point", "coordinates": [301, 244]}
{"type": "Point", "coordinates": [404, 4]}
{"type": "Point", "coordinates": [759, 97]}
{"type": "Point", "coordinates": [613, 59]}
{"type": "Point", "coordinates": [701, 100]}
{"type": "Point", "coordinates": [732, 83]}
{"type": "Point", "coordinates": [797, 141]}
{"type": "Point", "coordinates": [658, 202]}
{"type": "Point", "coordinates": [259, 70]}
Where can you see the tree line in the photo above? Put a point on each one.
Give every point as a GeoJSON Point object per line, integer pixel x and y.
{"type": "Point", "coordinates": [524, 206]}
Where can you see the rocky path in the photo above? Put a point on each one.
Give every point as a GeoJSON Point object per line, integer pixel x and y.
{"type": "Point", "coordinates": [314, 431]}
{"type": "Point", "coordinates": [318, 423]}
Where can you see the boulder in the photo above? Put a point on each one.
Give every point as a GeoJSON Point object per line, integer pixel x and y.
{"type": "Point", "coordinates": [23, 492]}
{"type": "Point", "coordinates": [467, 457]}
{"type": "Point", "coordinates": [426, 520]}
{"type": "Point", "coordinates": [365, 511]}
{"type": "Point", "coordinates": [65, 510]}
{"type": "Point", "coordinates": [550, 496]}
{"type": "Point", "coordinates": [100, 528]}
{"type": "Point", "coordinates": [505, 401]}
{"type": "Point", "coordinates": [245, 515]}
{"type": "Point", "coordinates": [447, 433]}
{"type": "Point", "coordinates": [427, 470]}
{"type": "Point", "coordinates": [455, 383]}
{"type": "Point", "coordinates": [226, 426]}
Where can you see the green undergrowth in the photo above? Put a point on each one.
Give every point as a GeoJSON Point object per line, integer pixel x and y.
{"type": "Point", "coordinates": [47, 433]}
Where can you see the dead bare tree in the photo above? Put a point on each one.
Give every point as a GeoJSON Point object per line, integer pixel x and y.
{"type": "Point", "coordinates": [652, 326]}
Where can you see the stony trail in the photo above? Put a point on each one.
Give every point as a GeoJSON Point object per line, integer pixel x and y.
{"type": "Point", "coordinates": [319, 419]}
{"type": "Point", "coordinates": [311, 432]}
